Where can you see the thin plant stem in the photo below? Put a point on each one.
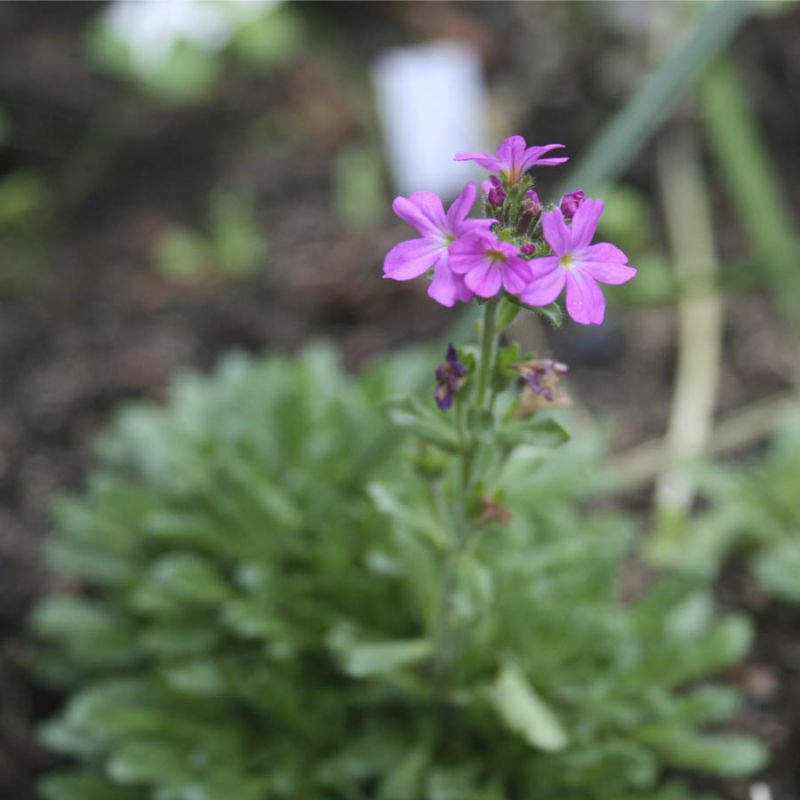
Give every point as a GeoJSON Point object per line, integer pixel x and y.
{"type": "Point", "coordinates": [488, 346]}
{"type": "Point", "coordinates": [464, 530]}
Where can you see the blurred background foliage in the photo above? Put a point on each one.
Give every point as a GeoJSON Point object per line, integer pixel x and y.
{"type": "Point", "coordinates": [177, 185]}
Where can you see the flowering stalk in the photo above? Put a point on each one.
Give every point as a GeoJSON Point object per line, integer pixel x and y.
{"type": "Point", "coordinates": [520, 255]}
{"type": "Point", "coordinates": [488, 345]}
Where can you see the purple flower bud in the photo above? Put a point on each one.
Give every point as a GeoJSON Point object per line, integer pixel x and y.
{"type": "Point", "coordinates": [533, 203]}
{"type": "Point", "coordinates": [497, 197]}
{"type": "Point", "coordinates": [495, 193]}
{"type": "Point", "coordinates": [528, 249]}
{"type": "Point", "coordinates": [571, 202]}
{"type": "Point", "coordinates": [450, 377]}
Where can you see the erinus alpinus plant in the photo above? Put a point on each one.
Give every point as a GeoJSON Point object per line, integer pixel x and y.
{"type": "Point", "coordinates": [302, 585]}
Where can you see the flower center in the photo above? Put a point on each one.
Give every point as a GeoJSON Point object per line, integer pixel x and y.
{"type": "Point", "coordinates": [567, 261]}
{"type": "Point", "coordinates": [496, 256]}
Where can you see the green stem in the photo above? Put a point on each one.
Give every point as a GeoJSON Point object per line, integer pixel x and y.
{"type": "Point", "coordinates": [464, 529]}
{"type": "Point", "coordinates": [488, 346]}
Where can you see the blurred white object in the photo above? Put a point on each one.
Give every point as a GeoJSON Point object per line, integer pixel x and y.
{"type": "Point", "coordinates": [151, 28]}
{"type": "Point", "coordinates": [760, 791]}
{"type": "Point", "coordinates": [432, 103]}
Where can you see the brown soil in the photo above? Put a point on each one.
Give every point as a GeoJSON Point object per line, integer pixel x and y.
{"type": "Point", "coordinates": [86, 323]}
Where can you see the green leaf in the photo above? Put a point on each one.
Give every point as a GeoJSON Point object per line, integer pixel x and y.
{"type": "Point", "coordinates": [451, 784]}
{"type": "Point", "coordinates": [180, 578]}
{"type": "Point", "coordinates": [535, 430]}
{"type": "Point", "coordinates": [425, 421]}
{"type": "Point", "coordinates": [417, 519]}
{"type": "Point", "coordinates": [183, 256]}
{"type": "Point", "coordinates": [196, 677]}
{"type": "Point", "coordinates": [524, 711]}
{"type": "Point", "coordinates": [92, 633]}
{"type": "Point", "coordinates": [363, 660]}
{"type": "Point", "coordinates": [728, 755]}
{"type": "Point", "coordinates": [360, 659]}
{"type": "Point", "coordinates": [83, 786]}
{"type": "Point", "coordinates": [553, 312]}
{"type": "Point", "coordinates": [151, 761]}
{"type": "Point", "coordinates": [508, 313]}
{"type": "Point", "coordinates": [778, 569]}
{"type": "Point", "coordinates": [405, 778]}
{"type": "Point", "coordinates": [630, 128]}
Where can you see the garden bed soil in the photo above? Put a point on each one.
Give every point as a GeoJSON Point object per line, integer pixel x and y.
{"type": "Point", "coordinates": [91, 325]}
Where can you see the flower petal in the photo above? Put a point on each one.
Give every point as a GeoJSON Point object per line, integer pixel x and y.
{"type": "Point", "coordinates": [551, 162]}
{"type": "Point", "coordinates": [411, 258]}
{"type": "Point", "coordinates": [484, 280]}
{"type": "Point", "coordinates": [585, 301]}
{"type": "Point", "coordinates": [423, 211]}
{"type": "Point", "coordinates": [461, 206]}
{"type": "Point", "coordinates": [466, 254]}
{"type": "Point", "coordinates": [556, 232]}
{"type": "Point", "coordinates": [584, 223]}
{"type": "Point", "coordinates": [516, 275]}
{"type": "Point", "coordinates": [605, 263]}
{"type": "Point", "coordinates": [531, 157]}
{"type": "Point", "coordinates": [484, 160]}
{"type": "Point", "coordinates": [447, 287]}
{"type": "Point", "coordinates": [511, 152]}
{"type": "Point", "coordinates": [548, 281]}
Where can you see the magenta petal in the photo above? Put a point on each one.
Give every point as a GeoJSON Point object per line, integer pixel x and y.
{"type": "Point", "coordinates": [584, 223]}
{"type": "Point", "coordinates": [511, 152]}
{"type": "Point", "coordinates": [531, 157]}
{"type": "Point", "coordinates": [551, 162]}
{"type": "Point", "coordinates": [482, 159]}
{"type": "Point", "coordinates": [605, 263]}
{"type": "Point", "coordinates": [447, 287]}
{"type": "Point", "coordinates": [470, 226]}
{"type": "Point", "coordinates": [516, 275]}
{"type": "Point", "coordinates": [466, 254]}
{"type": "Point", "coordinates": [556, 232]}
{"type": "Point", "coordinates": [461, 206]}
{"type": "Point", "coordinates": [585, 301]}
{"type": "Point", "coordinates": [411, 259]}
{"type": "Point", "coordinates": [423, 211]}
{"type": "Point", "coordinates": [548, 281]}
{"type": "Point", "coordinates": [484, 280]}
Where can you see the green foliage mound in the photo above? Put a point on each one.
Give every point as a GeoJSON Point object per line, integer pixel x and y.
{"type": "Point", "coordinates": [753, 511]}
{"type": "Point", "coordinates": [262, 574]}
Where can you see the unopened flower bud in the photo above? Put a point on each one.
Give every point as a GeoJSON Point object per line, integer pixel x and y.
{"type": "Point", "coordinates": [496, 194]}
{"type": "Point", "coordinates": [571, 202]}
{"type": "Point", "coordinates": [528, 249]}
{"type": "Point", "coordinates": [450, 377]}
{"type": "Point", "coordinates": [532, 203]}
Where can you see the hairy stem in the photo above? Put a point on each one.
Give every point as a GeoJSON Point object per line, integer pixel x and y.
{"type": "Point", "coordinates": [488, 346]}
{"type": "Point", "coordinates": [464, 529]}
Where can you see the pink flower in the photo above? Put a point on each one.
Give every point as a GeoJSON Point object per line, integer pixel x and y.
{"type": "Point", "coordinates": [487, 264]}
{"type": "Point", "coordinates": [438, 231]}
{"type": "Point", "coordinates": [514, 158]}
{"type": "Point", "coordinates": [577, 263]}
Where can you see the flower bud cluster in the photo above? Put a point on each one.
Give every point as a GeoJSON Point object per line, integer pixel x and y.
{"type": "Point", "coordinates": [520, 248]}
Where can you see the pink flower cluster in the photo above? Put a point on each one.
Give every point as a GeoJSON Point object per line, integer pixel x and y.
{"type": "Point", "coordinates": [519, 248]}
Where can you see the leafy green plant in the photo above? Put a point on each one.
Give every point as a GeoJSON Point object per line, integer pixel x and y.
{"type": "Point", "coordinates": [179, 53]}
{"type": "Point", "coordinates": [232, 249]}
{"type": "Point", "coordinates": [752, 511]}
{"type": "Point", "coordinates": [264, 580]}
